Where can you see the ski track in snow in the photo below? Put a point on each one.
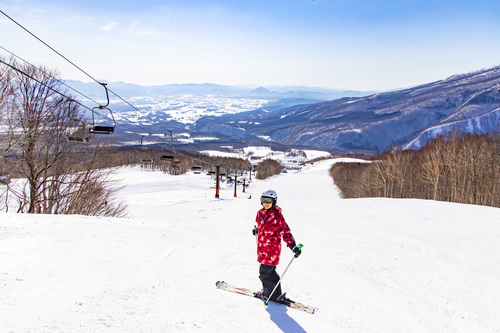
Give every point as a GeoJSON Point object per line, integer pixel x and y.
{"type": "Point", "coordinates": [370, 265]}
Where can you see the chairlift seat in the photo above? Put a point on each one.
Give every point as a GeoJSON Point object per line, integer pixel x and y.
{"type": "Point", "coordinates": [167, 158]}
{"type": "Point", "coordinates": [102, 130]}
{"type": "Point", "coordinates": [76, 139]}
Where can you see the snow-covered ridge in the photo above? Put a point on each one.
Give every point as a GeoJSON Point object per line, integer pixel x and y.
{"type": "Point", "coordinates": [468, 102]}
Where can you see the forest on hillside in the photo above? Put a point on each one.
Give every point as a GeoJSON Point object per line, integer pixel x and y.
{"type": "Point", "coordinates": [461, 168]}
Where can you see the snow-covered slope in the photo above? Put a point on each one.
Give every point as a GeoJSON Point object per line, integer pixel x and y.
{"type": "Point", "coordinates": [370, 265]}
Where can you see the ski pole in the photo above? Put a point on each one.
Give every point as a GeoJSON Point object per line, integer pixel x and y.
{"type": "Point", "coordinates": [281, 278]}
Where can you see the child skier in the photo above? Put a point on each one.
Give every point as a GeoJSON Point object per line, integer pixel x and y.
{"type": "Point", "coordinates": [271, 228]}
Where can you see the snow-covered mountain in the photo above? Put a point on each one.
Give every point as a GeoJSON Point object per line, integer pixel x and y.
{"type": "Point", "coordinates": [301, 116]}
{"type": "Point", "coordinates": [468, 102]}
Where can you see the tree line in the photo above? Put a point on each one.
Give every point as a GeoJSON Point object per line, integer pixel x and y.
{"type": "Point", "coordinates": [268, 168]}
{"type": "Point", "coordinates": [177, 163]}
{"type": "Point", "coordinates": [461, 168]}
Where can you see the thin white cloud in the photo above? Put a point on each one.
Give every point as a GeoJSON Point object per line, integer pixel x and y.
{"type": "Point", "coordinates": [136, 28]}
{"type": "Point", "coordinates": [110, 26]}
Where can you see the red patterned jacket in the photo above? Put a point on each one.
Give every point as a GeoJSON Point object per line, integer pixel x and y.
{"type": "Point", "coordinates": [272, 227]}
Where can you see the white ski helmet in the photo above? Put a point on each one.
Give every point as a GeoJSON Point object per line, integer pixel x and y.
{"type": "Point", "coordinates": [269, 194]}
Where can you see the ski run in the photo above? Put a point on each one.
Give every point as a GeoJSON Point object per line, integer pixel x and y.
{"type": "Point", "coordinates": [369, 265]}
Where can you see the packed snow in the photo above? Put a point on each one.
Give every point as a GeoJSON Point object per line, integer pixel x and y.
{"type": "Point", "coordinates": [370, 265]}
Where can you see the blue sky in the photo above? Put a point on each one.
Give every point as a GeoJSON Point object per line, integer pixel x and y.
{"type": "Point", "coordinates": [343, 44]}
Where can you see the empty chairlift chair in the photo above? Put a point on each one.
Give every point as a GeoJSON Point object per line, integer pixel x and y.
{"type": "Point", "coordinates": [145, 159]}
{"type": "Point", "coordinates": [176, 168]}
{"type": "Point", "coordinates": [168, 156]}
{"type": "Point", "coordinates": [75, 137]}
{"type": "Point", "coordinates": [103, 129]}
{"type": "Point", "coordinates": [196, 166]}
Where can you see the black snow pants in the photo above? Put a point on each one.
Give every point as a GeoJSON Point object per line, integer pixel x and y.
{"type": "Point", "coordinates": [269, 278]}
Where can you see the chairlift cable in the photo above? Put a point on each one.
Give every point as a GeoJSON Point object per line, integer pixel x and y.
{"type": "Point", "coordinates": [48, 74]}
{"type": "Point", "coordinates": [80, 69]}
{"type": "Point", "coordinates": [88, 108]}
{"type": "Point", "coordinates": [69, 98]}
{"type": "Point", "coordinates": [50, 47]}
{"type": "Point", "coordinates": [63, 95]}
{"type": "Point", "coordinates": [72, 63]}
{"type": "Point", "coordinates": [68, 86]}
{"type": "Point", "coordinates": [45, 85]}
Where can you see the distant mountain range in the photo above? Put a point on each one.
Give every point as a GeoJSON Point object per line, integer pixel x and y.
{"type": "Point", "coordinates": [314, 117]}
{"type": "Point", "coordinates": [131, 91]}
{"type": "Point", "coordinates": [408, 118]}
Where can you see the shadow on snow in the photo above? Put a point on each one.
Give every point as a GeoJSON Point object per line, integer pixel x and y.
{"type": "Point", "coordinates": [278, 314]}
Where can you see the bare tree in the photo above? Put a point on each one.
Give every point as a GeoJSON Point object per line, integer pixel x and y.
{"type": "Point", "coordinates": [432, 165]}
{"type": "Point", "coordinates": [59, 178]}
{"type": "Point", "coordinates": [268, 168]}
{"type": "Point", "coordinates": [7, 101]}
{"type": "Point", "coordinates": [6, 141]}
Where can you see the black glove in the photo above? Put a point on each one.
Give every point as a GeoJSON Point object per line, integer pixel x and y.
{"type": "Point", "coordinates": [254, 231]}
{"type": "Point", "coordinates": [295, 249]}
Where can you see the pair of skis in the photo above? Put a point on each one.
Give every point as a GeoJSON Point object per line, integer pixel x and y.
{"type": "Point", "coordinates": [243, 291]}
